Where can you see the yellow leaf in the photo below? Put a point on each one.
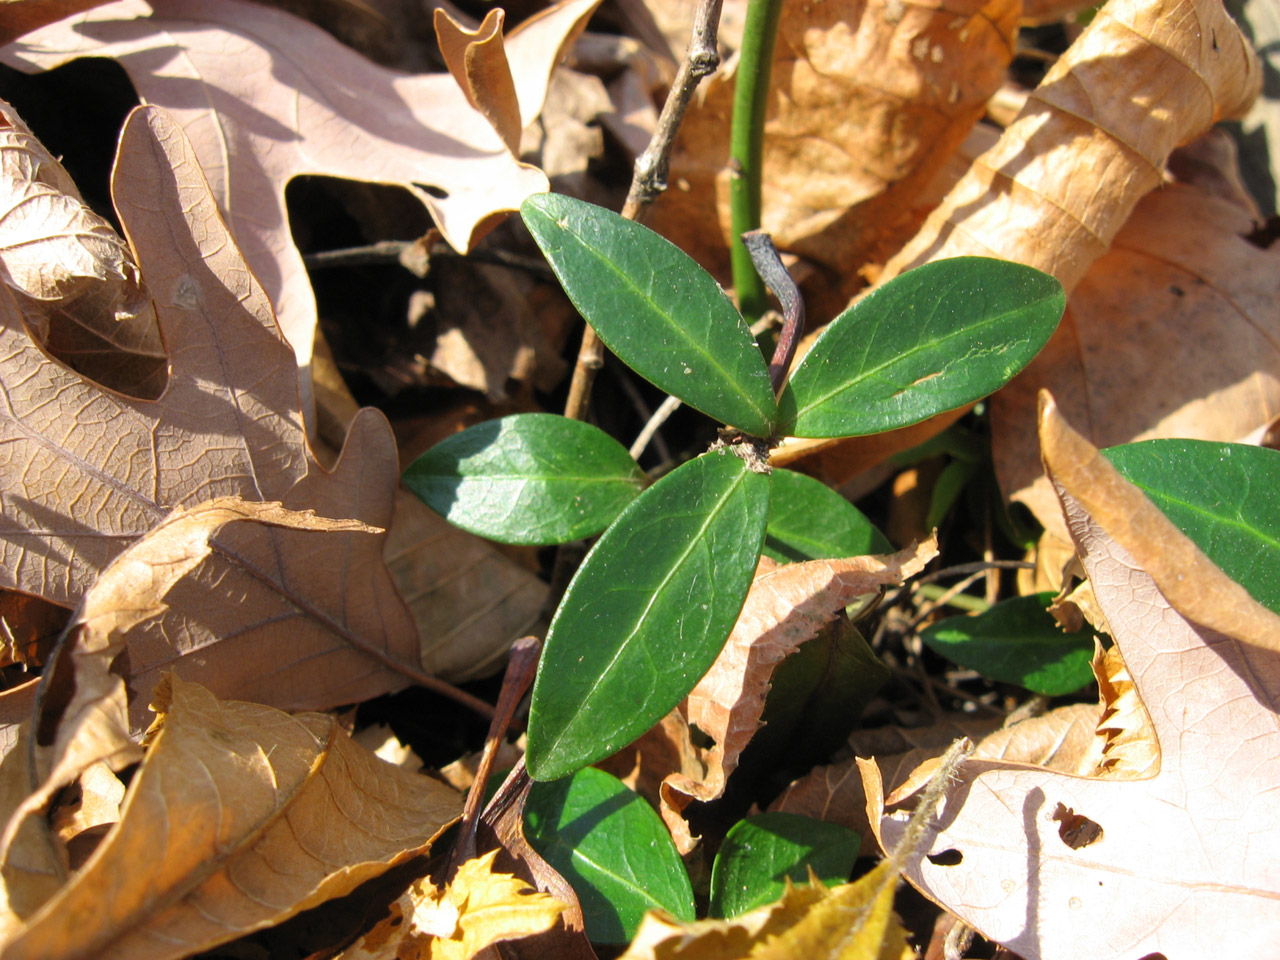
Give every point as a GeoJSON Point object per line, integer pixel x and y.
{"type": "Point", "coordinates": [478, 909]}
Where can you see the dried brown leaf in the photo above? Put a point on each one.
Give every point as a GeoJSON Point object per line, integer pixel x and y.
{"type": "Point", "coordinates": [1173, 333]}
{"type": "Point", "coordinates": [288, 618]}
{"type": "Point", "coordinates": [265, 97]}
{"type": "Point", "coordinates": [868, 100]}
{"type": "Point", "coordinates": [239, 817]}
{"type": "Point", "coordinates": [1052, 865]}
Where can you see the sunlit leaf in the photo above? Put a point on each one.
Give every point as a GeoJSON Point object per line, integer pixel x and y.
{"type": "Point", "coordinates": [531, 478]}
{"type": "Point", "coordinates": [810, 521]}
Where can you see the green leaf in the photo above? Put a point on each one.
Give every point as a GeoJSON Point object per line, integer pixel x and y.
{"type": "Point", "coordinates": [652, 305]}
{"type": "Point", "coordinates": [1224, 496]}
{"type": "Point", "coordinates": [810, 521]}
{"type": "Point", "coordinates": [612, 848]}
{"type": "Point", "coordinates": [935, 338]}
{"type": "Point", "coordinates": [1017, 641]}
{"type": "Point", "coordinates": [531, 478]}
{"type": "Point", "coordinates": [647, 612]}
{"type": "Point", "coordinates": [761, 852]}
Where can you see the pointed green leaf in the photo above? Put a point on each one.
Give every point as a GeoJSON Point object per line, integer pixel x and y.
{"type": "Point", "coordinates": [1224, 496]}
{"type": "Point", "coordinates": [647, 612]}
{"type": "Point", "coordinates": [612, 848]}
{"type": "Point", "coordinates": [761, 853]}
{"type": "Point", "coordinates": [653, 306]}
{"type": "Point", "coordinates": [935, 338]}
{"type": "Point", "coordinates": [1017, 641]}
{"type": "Point", "coordinates": [531, 478]}
{"type": "Point", "coordinates": [810, 521]}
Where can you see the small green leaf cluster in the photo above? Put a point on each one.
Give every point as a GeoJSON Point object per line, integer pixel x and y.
{"type": "Point", "coordinates": [653, 603]}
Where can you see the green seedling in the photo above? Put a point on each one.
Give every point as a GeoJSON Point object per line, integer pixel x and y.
{"type": "Point", "coordinates": [653, 603]}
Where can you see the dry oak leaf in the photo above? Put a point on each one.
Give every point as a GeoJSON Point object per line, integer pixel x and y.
{"type": "Point", "coordinates": [1173, 333]}
{"type": "Point", "coordinates": [1186, 862]}
{"type": "Point", "coordinates": [265, 96]}
{"type": "Point", "coordinates": [72, 274]}
{"type": "Point", "coordinates": [477, 908]}
{"type": "Point", "coordinates": [785, 607]}
{"type": "Point", "coordinates": [297, 620]}
{"type": "Point", "coordinates": [83, 718]}
{"type": "Point", "coordinates": [868, 100]}
{"type": "Point", "coordinates": [239, 817]}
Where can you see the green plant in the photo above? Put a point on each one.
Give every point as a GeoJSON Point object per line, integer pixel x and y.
{"type": "Point", "coordinates": [651, 606]}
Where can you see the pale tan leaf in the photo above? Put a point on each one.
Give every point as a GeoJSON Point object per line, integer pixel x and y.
{"type": "Point", "coordinates": [294, 619]}
{"type": "Point", "coordinates": [785, 607]}
{"type": "Point", "coordinates": [478, 62]}
{"type": "Point", "coordinates": [239, 817]}
{"type": "Point", "coordinates": [479, 907]}
{"type": "Point", "coordinates": [72, 274]}
{"type": "Point", "coordinates": [22, 16]}
{"type": "Point", "coordinates": [265, 96]}
{"type": "Point", "coordinates": [868, 100]}
{"type": "Point", "coordinates": [1093, 138]}
{"type": "Point", "coordinates": [1052, 865]}
{"type": "Point", "coordinates": [1173, 333]}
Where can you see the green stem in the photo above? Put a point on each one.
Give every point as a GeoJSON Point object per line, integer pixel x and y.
{"type": "Point", "coordinates": [746, 146]}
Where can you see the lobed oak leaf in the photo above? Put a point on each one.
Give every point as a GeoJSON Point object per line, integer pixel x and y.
{"type": "Point", "coordinates": [239, 817]}
{"type": "Point", "coordinates": [785, 607]}
{"type": "Point", "coordinates": [1054, 865]}
{"type": "Point", "coordinates": [476, 909]}
{"type": "Point", "coordinates": [288, 618]}
{"type": "Point", "coordinates": [265, 96]}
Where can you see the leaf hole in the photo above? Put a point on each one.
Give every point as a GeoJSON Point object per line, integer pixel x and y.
{"type": "Point", "coordinates": [946, 858]}
{"type": "Point", "coordinates": [1075, 829]}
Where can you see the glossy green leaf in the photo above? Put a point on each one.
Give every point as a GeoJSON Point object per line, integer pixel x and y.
{"type": "Point", "coordinates": [652, 305]}
{"type": "Point", "coordinates": [760, 853]}
{"type": "Point", "coordinates": [935, 338]}
{"type": "Point", "coordinates": [1224, 496]}
{"type": "Point", "coordinates": [1017, 641]}
{"type": "Point", "coordinates": [612, 848]}
{"type": "Point", "coordinates": [810, 521]}
{"type": "Point", "coordinates": [647, 612]}
{"type": "Point", "coordinates": [531, 478]}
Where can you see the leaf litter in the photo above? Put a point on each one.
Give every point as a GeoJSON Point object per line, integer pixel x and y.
{"type": "Point", "coordinates": [1186, 706]}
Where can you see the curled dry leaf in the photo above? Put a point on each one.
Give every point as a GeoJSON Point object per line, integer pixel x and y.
{"type": "Point", "coordinates": [785, 607]}
{"type": "Point", "coordinates": [260, 815]}
{"type": "Point", "coordinates": [73, 276]}
{"type": "Point", "coordinates": [265, 96]}
{"type": "Point", "coordinates": [1174, 333]}
{"type": "Point", "coordinates": [1093, 138]}
{"type": "Point", "coordinates": [298, 620]}
{"type": "Point", "coordinates": [478, 908]}
{"type": "Point", "coordinates": [868, 100]}
{"type": "Point", "coordinates": [1052, 865]}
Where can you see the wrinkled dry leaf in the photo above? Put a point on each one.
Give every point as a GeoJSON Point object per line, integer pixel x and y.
{"type": "Point", "coordinates": [239, 817]}
{"type": "Point", "coordinates": [785, 607]}
{"type": "Point", "coordinates": [478, 62]}
{"type": "Point", "coordinates": [73, 276]}
{"type": "Point", "coordinates": [265, 96]}
{"type": "Point", "coordinates": [868, 99]}
{"type": "Point", "coordinates": [1174, 333]}
{"type": "Point", "coordinates": [298, 620]}
{"type": "Point", "coordinates": [1052, 865]}
{"type": "Point", "coordinates": [89, 724]}
{"type": "Point", "coordinates": [476, 909]}
{"type": "Point", "coordinates": [1093, 138]}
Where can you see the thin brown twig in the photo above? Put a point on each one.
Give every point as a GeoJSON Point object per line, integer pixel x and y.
{"type": "Point", "coordinates": [650, 176]}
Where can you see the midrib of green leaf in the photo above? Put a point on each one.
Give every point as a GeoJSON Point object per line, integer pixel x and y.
{"type": "Point", "coordinates": [661, 588]}
{"type": "Point", "coordinates": [1158, 496]}
{"type": "Point", "coordinates": [868, 374]}
{"type": "Point", "coordinates": [576, 854]}
{"type": "Point", "coordinates": [697, 347]}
